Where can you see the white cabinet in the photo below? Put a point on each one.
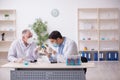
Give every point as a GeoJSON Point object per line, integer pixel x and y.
{"type": "Point", "coordinates": [7, 31]}
{"type": "Point", "coordinates": [98, 29]}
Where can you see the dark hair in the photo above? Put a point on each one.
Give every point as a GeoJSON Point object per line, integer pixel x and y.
{"type": "Point", "coordinates": [55, 35]}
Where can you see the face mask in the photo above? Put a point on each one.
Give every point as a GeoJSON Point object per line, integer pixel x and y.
{"type": "Point", "coordinates": [30, 40]}
{"type": "Point", "coordinates": [55, 44]}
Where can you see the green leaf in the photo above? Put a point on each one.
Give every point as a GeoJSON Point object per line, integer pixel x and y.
{"type": "Point", "coordinates": [40, 29]}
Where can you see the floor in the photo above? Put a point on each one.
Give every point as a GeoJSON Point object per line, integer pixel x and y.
{"type": "Point", "coordinates": [102, 71]}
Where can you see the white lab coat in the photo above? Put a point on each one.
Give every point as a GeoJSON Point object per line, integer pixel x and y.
{"type": "Point", "coordinates": [70, 48]}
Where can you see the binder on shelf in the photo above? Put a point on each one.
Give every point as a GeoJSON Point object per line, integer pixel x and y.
{"type": "Point", "coordinates": [108, 56]}
{"type": "Point", "coordinates": [112, 56]}
{"type": "Point", "coordinates": [101, 56]}
{"type": "Point", "coordinates": [86, 55]}
{"type": "Point", "coordinates": [116, 56]}
{"type": "Point", "coordinates": [96, 56]}
{"type": "Point", "coordinates": [89, 56]}
{"type": "Point", "coordinates": [82, 54]}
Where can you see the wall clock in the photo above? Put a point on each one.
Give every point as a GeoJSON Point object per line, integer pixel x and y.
{"type": "Point", "coordinates": [55, 12]}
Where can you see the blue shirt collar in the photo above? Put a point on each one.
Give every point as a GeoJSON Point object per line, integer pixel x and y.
{"type": "Point", "coordinates": [63, 43]}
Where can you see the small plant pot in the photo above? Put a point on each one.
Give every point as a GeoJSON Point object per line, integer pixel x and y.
{"type": "Point", "coordinates": [6, 16]}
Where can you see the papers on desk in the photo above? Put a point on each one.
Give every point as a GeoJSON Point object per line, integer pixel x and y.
{"type": "Point", "coordinates": [43, 59]}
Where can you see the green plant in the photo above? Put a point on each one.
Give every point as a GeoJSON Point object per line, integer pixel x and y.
{"type": "Point", "coordinates": [6, 15]}
{"type": "Point", "coordinates": [40, 29]}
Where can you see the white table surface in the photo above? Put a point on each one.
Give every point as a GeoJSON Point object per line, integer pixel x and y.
{"type": "Point", "coordinates": [47, 65]}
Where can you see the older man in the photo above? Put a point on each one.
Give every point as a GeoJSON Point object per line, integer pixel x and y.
{"type": "Point", "coordinates": [23, 49]}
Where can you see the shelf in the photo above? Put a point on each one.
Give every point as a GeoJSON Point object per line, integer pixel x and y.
{"type": "Point", "coordinates": [88, 50]}
{"type": "Point", "coordinates": [7, 10]}
{"type": "Point", "coordinates": [3, 61]}
{"type": "Point", "coordinates": [109, 29]}
{"type": "Point", "coordinates": [108, 9]}
{"type": "Point", "coordinates": [96, 50]}
{"type": "Point", "coordinates": [87, 19]}
{"type": "Point", "coordinates": [99, 30]}
{"type": "Point", "coordinates": [6, 41]}
{"type": "Point", "coordinates": [88, 40]}
{"type": "Point", "coordinates": [7, 31]}
{"type": "Point", "coordinates": [7, 26]}
{"type": "Point", "coordinates": [87, 9]}
{"type": "Point", "coordinates": [106, 61]}
{"type": "Point", "coordinates": [7, 20]}
{"type": "Point", "coordinates": [97, 24]}
{"type": "Point", "coordinates": [109, 19]}
{"type": "Point", "coordinates": [109, 40]}
{"type": "Point", "coordinates": [88, 30]}
{"type": "Point", "coordinates": [108, 50]}
{"type": "Point", "coordinates": [3, 51]}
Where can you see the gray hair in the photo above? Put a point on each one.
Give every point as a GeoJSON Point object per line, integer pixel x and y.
{"type": "Point", "coordinates": [25, 31]}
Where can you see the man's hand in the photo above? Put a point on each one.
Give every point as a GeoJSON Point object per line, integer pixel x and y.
{"type": "Point", "coordinates": [54, 52]}
{"type": "Point", "coordinates": [47, 54]}
{"type": "Point", "coordinates": [19, 60]}
{"type": "Point", "coordinates": [37, 49]}
{"type": "Point", "coordinates": [50, 50]}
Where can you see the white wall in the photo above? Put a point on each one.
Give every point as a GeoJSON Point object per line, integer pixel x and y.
{"type": "Point", "coordinates": [66, 23]}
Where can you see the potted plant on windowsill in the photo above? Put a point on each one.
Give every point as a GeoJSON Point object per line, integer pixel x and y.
{"type": "Point", "coordinates": [40, 29]}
